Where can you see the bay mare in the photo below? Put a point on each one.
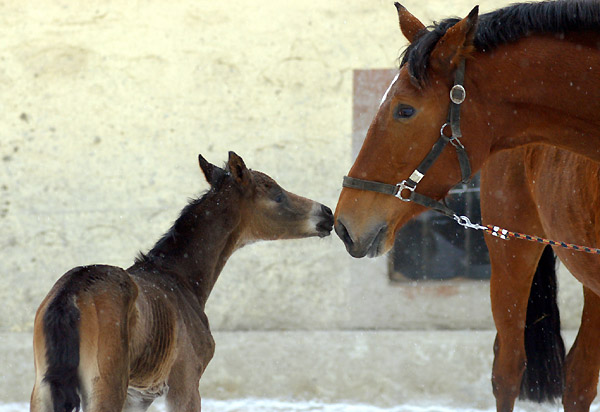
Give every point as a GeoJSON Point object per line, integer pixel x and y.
{"type": "Point", "coordinates": [531, 75]}
{"type": "Point", "coordinates": [114, 339]}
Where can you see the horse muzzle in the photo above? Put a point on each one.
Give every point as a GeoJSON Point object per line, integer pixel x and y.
{"type": "Point", "coordinates": [371, 245]}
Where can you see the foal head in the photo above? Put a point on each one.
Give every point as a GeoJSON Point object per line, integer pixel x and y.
{"type": "Point", "coordinates": [260, 208]}
{"type": "Point", "coordinates": [403, 132]}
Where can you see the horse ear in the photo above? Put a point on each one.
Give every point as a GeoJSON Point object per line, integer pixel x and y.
{"type": "Point", "coordinates": [455, 45]}
{"type": "Point", "coordinates": [207, 168]}
{"type": "Point", "coordinates": [238, 169]}
{"type": "Point", "coordinates": [409, 24]}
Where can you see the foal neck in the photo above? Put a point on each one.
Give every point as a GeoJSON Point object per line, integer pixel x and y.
{"type": "Point", "coordinates": [199, 243]}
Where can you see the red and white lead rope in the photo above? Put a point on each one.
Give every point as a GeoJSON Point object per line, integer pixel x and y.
{"type": "Point", "coordinates": [506, 234]}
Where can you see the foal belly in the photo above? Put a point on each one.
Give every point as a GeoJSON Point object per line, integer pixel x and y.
{"type": "Point", "coordinates": [140, 399]}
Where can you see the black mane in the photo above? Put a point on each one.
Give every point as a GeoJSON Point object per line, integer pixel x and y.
{"type": "Point", "coordinates": [507, 25]}
{"type": "Point", "coordinates": [169, 239]}
{"type": "Point", "coordinates": [185, 221]}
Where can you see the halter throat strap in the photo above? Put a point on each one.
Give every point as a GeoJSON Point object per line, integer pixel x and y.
{"type": "Point", "coordinates": [457, 96]}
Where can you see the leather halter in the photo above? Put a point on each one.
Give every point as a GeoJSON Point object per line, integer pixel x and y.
{"type": "Point", "coordinates": [457, 96]}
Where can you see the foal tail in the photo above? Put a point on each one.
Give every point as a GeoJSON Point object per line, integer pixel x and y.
{"type": "Point", "coordinates": [543, 379]}
{"type": "Point", "coordinates": [61, 328]}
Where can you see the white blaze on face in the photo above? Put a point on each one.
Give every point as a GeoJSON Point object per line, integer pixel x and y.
{"type": "Point", "coordinates": [388, 90]}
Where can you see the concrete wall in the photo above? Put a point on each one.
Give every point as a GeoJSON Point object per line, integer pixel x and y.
{"type": "Point", "coordinates": [106, 105]}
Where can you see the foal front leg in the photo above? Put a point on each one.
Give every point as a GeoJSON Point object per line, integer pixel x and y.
{"type": "Point", "coordinates": [184, 401]}
{"type": "Point", "coordinates": [183, 394]}
{"type": "Point", "coordinates": [583, 361]}
{"type": "Point", "coordinates": [513, 267]}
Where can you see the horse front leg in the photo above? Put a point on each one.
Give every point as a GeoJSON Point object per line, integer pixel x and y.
{"type": "Point", "coordinates": [513, 267]}
{"type": "Point", "coordinates": [583, 360]}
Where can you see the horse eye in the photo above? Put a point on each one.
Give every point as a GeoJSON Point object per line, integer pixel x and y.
{"type": "Point", "coordinates": [404, 111]}
{"type": "Point", "coordinates": [279, 197]}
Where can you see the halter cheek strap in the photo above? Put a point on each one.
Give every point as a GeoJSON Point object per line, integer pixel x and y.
{"type": "Point", "coordinates": [457, 96]}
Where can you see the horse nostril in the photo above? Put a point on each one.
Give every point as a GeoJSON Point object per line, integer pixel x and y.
{"type": "Point", "coordinates": [343, 234]}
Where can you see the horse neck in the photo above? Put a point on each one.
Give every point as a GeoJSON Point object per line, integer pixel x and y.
{"type": "Point", "coordinates": [537, 90]}
{"type": "Point", "coordinates": [199, 244]}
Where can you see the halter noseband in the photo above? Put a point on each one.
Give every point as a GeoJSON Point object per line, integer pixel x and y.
{"type": "Point", "coordinates": [457, 96]}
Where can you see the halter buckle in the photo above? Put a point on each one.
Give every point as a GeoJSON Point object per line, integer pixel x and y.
{"type": "Point", "coordinates": [400, 187]}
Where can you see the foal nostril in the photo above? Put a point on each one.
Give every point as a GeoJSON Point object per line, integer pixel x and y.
{"type": "Point", "coordinates": [328, 215]}
{"type": "Point", "coordinates": [326, 211]}
{"type": "Point", "coordinates": [325, 224]}
{"type": "Point", "coordinates": [343, 234]}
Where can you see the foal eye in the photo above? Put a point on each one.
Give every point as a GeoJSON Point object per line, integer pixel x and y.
{"type": "Point", "coordinates": [404, 111]}
{"type": "Point", "coordinates": [279, 197]}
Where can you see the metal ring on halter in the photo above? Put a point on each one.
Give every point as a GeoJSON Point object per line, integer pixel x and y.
{"type": "Point", "coordinates": [458, 94]}
{"type": "Point", "coordinates": [400, 187]}
{"type": "Point", "coordinates": [442, 129]}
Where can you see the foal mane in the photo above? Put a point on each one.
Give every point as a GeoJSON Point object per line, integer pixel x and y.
{"type": "Point", "coordinates": [169, 239]}
{"type": "Point", "coordinates": [180, 227]}
{"type": "Point", "coordinates": [506, 25]}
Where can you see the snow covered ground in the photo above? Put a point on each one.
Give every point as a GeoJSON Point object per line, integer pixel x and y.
{"type": "Point", "coordinates": [365, 371]}
{"type": "Point", "coordinates": [273, 405]}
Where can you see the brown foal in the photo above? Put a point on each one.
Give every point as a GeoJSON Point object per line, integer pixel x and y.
{"type": "Point", "coordinates": [114, 339]}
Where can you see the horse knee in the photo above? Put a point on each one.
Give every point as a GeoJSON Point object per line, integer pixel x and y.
{"type": "Point", "coordinates": [579, 392]}
{"type": "Point", "coordinates": [507, 372]}
{"type": "Point", "coordinates": [581, 381]}
{"type": "Point", "coordinates": [578, 400]}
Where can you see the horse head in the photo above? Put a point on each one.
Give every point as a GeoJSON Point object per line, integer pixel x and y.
{"type": "Point", "coordinates": [411, 120]}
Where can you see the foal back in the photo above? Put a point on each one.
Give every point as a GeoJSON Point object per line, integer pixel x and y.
{"type": "Point", "coordinates": [81, 334]}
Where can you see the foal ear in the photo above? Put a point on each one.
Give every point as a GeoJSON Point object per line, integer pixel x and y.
{"type": "Point", "coordinates": [455, 45]}
{"type": "Point", "coordinates": [207, 168]}
{"type": "Point", "coordinates": [409, 24]}
{"type": "Point", "coordinates": [238, 169]}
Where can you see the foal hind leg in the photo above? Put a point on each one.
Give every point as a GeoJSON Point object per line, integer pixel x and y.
{"type": "Point", "coordinates": [513, 267]}
{"type": "Point", "coordinates": [583, 360]}
{"type": "Point", "coordinates": [104, 354]}
{"type": "Point", "coordinates": [41, 399]}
